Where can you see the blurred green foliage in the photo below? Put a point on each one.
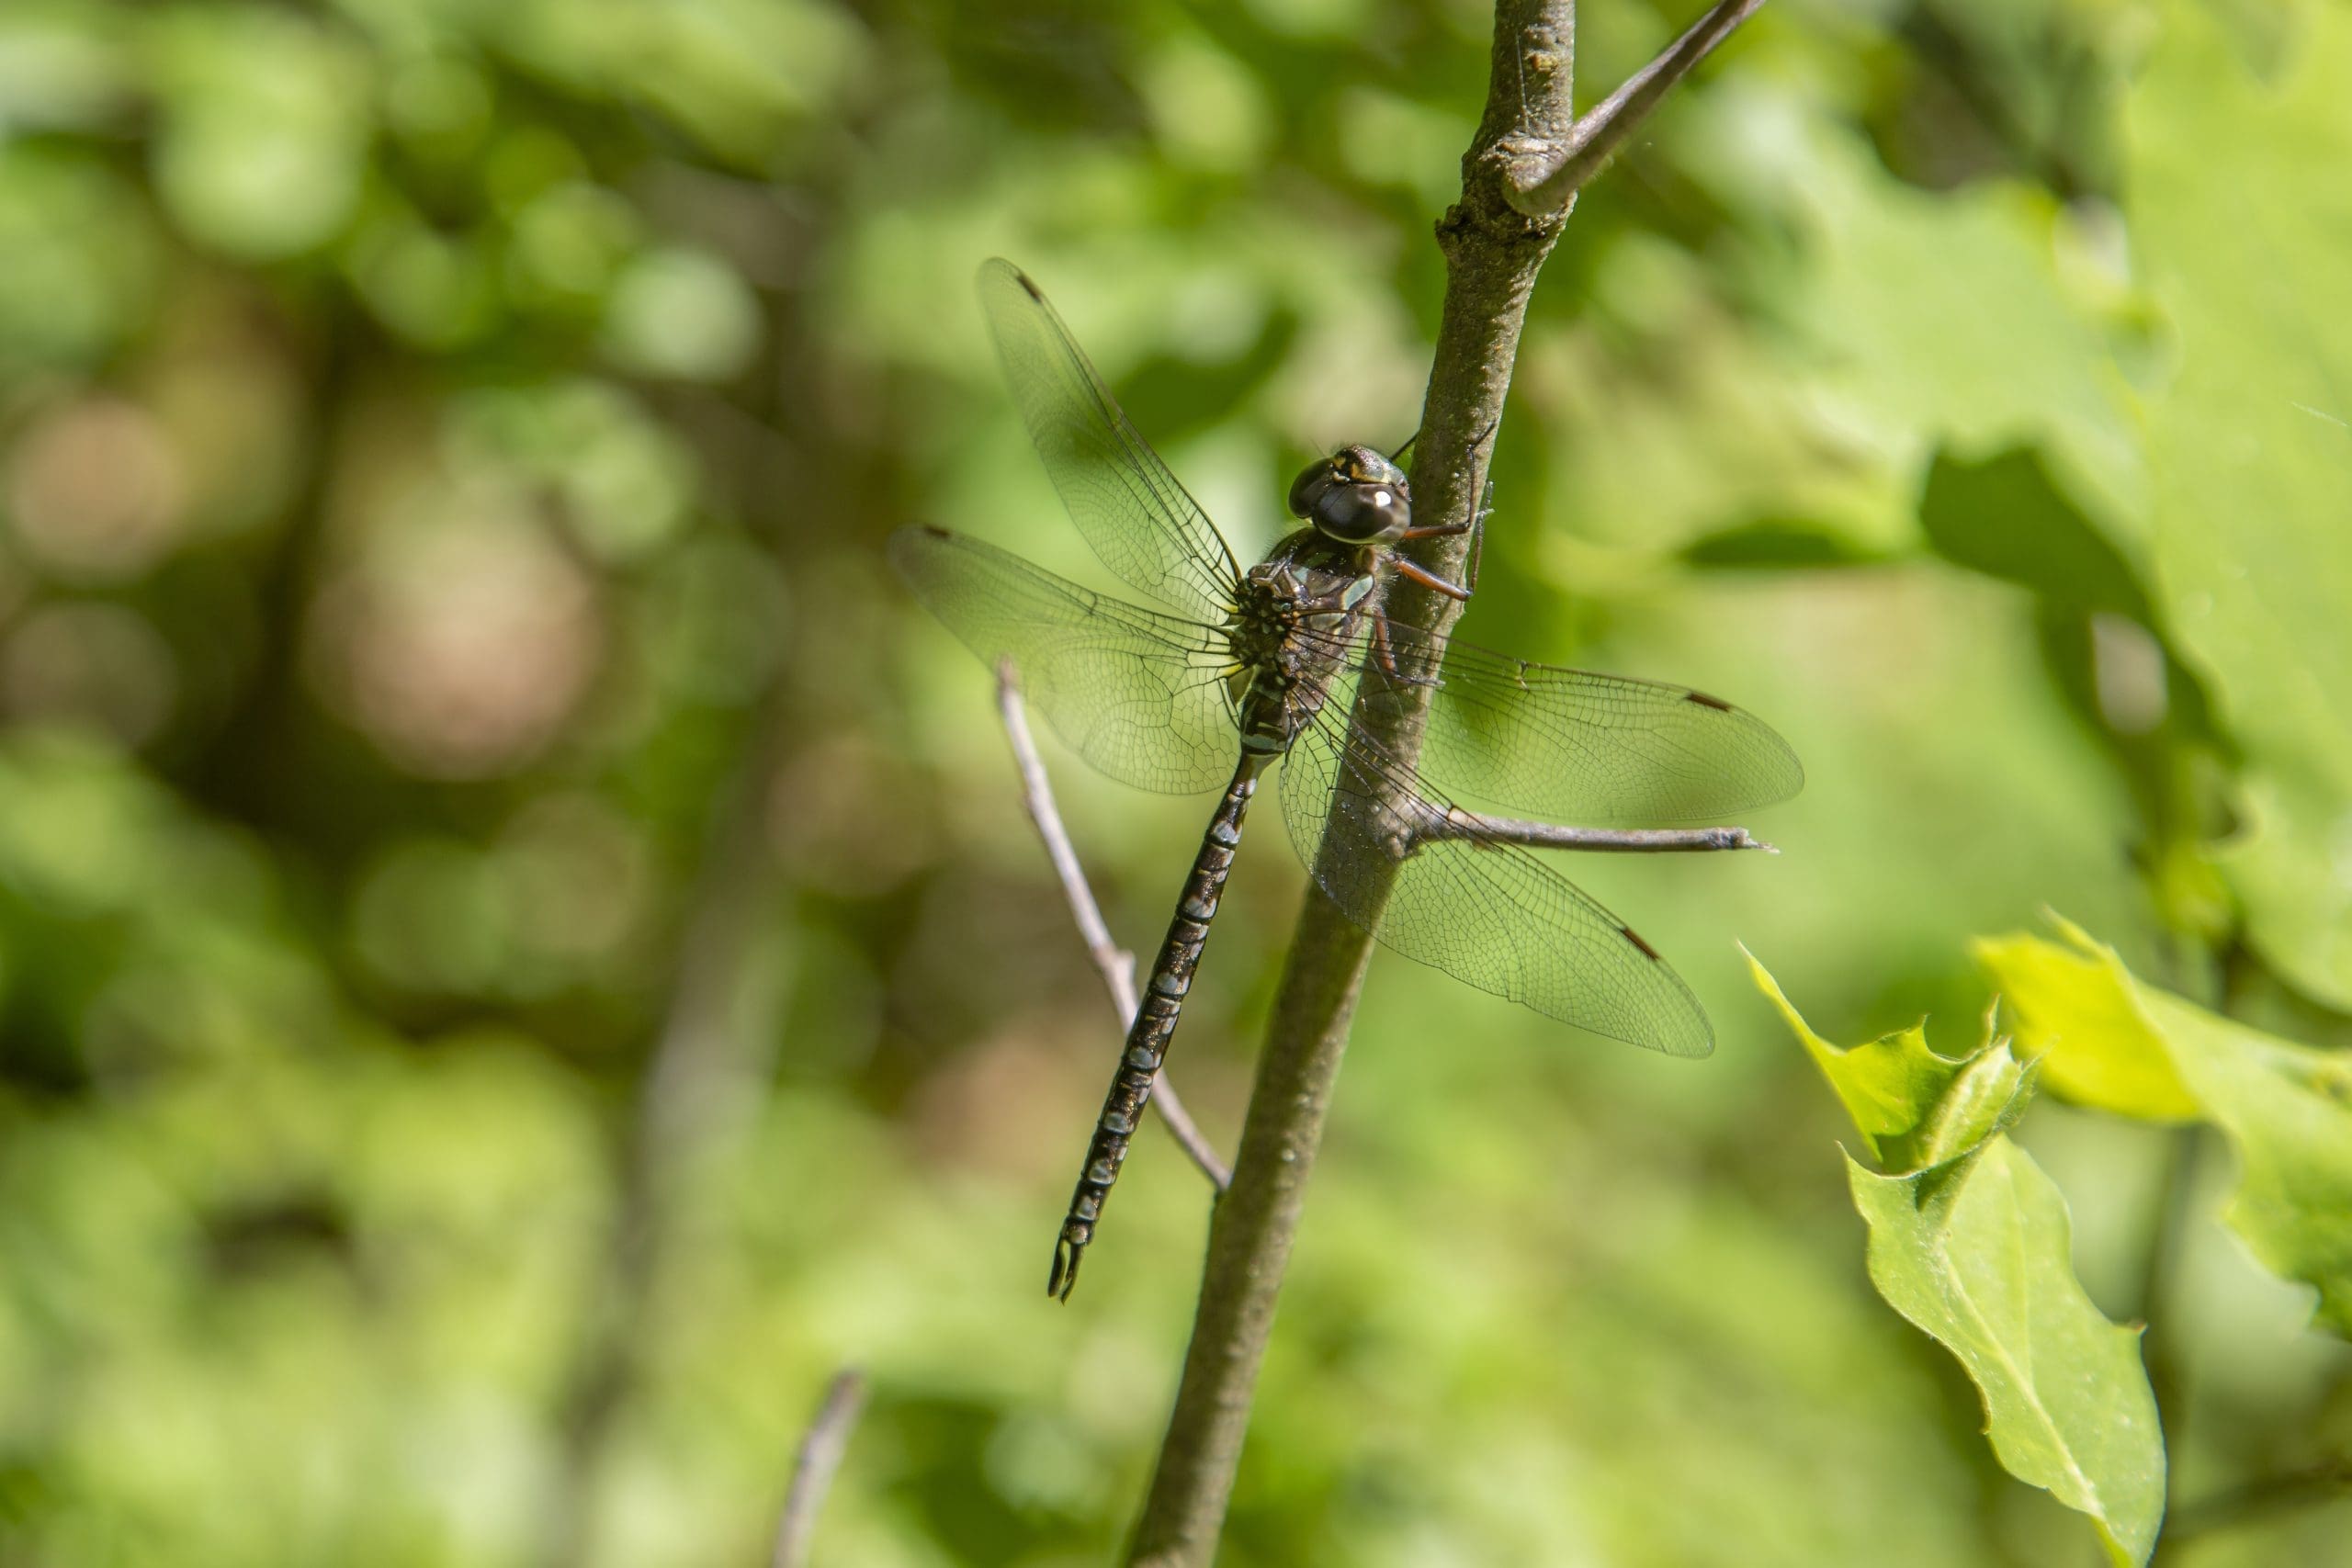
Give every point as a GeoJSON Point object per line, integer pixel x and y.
{"type": "Point", "coordinates": [518, 951]}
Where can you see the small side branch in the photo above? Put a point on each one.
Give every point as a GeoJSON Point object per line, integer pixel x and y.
{"type": "Point", "coordinates": [1458, 823]}
{"type": "Point", "coordinates": [1544, 177]}
{"type": "Point", "coordinates": [1113, 962]}
{"type": "Point", "coordinates": [812, 1469]}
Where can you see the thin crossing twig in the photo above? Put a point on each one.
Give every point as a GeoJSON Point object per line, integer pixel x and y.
{"type": "Point", "coordinates": [1458, 823]}
{"type": "Point", "coordinates": [1113, 962]}
{"type": "Point", "coordinates": [1546, 174]}
{"type": "Point", "coordinates": [813, 1468]}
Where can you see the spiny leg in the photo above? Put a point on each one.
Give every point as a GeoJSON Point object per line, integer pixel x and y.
{"type": "Point", "coordinates": [1427, 578]}
{"type": "Point", "coordinates": [1475, 528]}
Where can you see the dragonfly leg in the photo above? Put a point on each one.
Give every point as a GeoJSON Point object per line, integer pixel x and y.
{"type": "Point", "coordinates": [1428, 579]}
{"type": "Point", "coordinates": [1383, 647]}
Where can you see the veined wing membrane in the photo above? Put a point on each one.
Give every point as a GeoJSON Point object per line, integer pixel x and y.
{"type": "Point", "coordinates": [1138, 694]}
{"type": "Point", "coordinates": [1487, 912]}
{"type": "Point", "coordinates": [1133, 512]}
{"type": "Point", "coordinates": [1575, 746]}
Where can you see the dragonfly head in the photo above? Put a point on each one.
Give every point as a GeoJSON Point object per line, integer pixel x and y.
{"type": "Point", "coordinates": [1355, 496]}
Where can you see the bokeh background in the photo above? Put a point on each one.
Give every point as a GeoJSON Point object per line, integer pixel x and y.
{"type": "Point", "coordinates": [519, 951]}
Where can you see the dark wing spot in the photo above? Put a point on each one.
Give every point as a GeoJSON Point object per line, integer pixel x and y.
{"type": "Point", "coordinates": [935, 530]}
{"type": "Point", "coordinates": [1705, 700]}
{"type": "Point", "coordinates": [1030, 288]}
{"type": "Point", "coordinates": [1630, 935]}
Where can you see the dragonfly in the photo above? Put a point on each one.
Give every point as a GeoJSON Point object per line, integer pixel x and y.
{"type": "Point", "coordinates": [1301, 660]}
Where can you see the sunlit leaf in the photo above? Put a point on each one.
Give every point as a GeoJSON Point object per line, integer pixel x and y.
{"type": "Point", "coordinates": [1980, 1259]}
{"type": "Point", "coordinates": [1970, 1242]}
{"type": "Point", "coordinates": [2238, 203]}
{"type": "Point", "coordinates": [1917, 1109]}
{"type": "Point", "coordinates": [2287, 1112]}
{"type": "Point", "coordinates": [2076, 1005]}
{"type": "Point", "coordinates": [2133, 1049]}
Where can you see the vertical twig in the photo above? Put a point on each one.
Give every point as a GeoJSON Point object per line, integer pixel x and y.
{"type": "Point", "coordinates": [2167, 1369]}
{"type": "Point", "coordinates": [1113, 962]}
{"type": "Point", "coordinates": [1493, 252]}
{"type": "Point", "coordinates": [813, 1468]}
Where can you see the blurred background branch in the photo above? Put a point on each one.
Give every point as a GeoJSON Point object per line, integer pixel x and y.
{"type": "Point", "coordinates": [820, 1456]}
{"type": "Point", "coordinates": [702, 1088]}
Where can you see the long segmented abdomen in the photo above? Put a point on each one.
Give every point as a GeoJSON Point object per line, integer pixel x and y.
{"type": "Point", "coordinates": [1154, 1023]}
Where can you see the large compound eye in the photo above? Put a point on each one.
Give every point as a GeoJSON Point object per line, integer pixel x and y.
{"type": "Point", "coordinates": [1357, 497]}
{"type": "Point", "coordinates": [1309, 488]}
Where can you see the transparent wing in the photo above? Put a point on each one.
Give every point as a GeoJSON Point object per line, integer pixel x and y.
{"type": "Point", "coordinates": [1574, 746]}
{"type": "Point", "coordinates": [1140, 695]}
{"type": "Point", "coordinates": [1487, 912]}
{"type": "Point", "coordinates": [1132, 510]}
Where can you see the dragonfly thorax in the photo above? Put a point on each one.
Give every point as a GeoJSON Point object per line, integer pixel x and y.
{"type": "Point", "coordinates": [1355, 496]}
{"type": "Point", "coordinates": [1294, 617]}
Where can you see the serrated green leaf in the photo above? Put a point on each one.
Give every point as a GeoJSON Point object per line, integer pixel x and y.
{"type": "Point", "coordinates": [2140, 1051]}
{"type": "Point", "coordinates": [1970, 1242]}
{"type": "Point", "coordinates": [1917, 1109]}
{"type": "Point", "coordinates": [2075, 1007]}
{"type": "Point", "coordinates": [2286, 1109]}
{"type": "Point", "coordinates": [1978, 1257]}
{"type": "Point", "coordinates": [2239, 206]}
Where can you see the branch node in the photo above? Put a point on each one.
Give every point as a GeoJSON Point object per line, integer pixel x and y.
{"type": "Point", "coordinates": [1546, 179]}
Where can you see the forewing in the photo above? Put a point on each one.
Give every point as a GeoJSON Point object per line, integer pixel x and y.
{"type": "Point", "coordinates": [1122, 498]}
{"type": "Point", "coordinates": [1574, 746]}
{"type": "Point", "coordinates": [1140, 695]}
{"type": "Point", "coordinates": [1487, 912]}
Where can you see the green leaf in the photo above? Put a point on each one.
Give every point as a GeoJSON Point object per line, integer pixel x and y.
{"type": "Point", "coordinates": [1980, 1259]}
{"type": "Point", "coordinates": [2286, 1109]}
{"type": "Point", "coordinates": [2239, 206]}
{"type": "Point", "coordinates": [2076, 1005]}
{"type": "Point", "coordinates": [2005, 518]}
{"type": "Point", "coordinates": [2130, 1048]}
{"type": "Point", "coordinates": [1942, 316]}
{"type": "Point", "coordinates": [1970, 1241]}
{"type": "Point", "coordinates": [1916, 1108]}
{"type": "Point", "coordinates": [1785, 543]}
